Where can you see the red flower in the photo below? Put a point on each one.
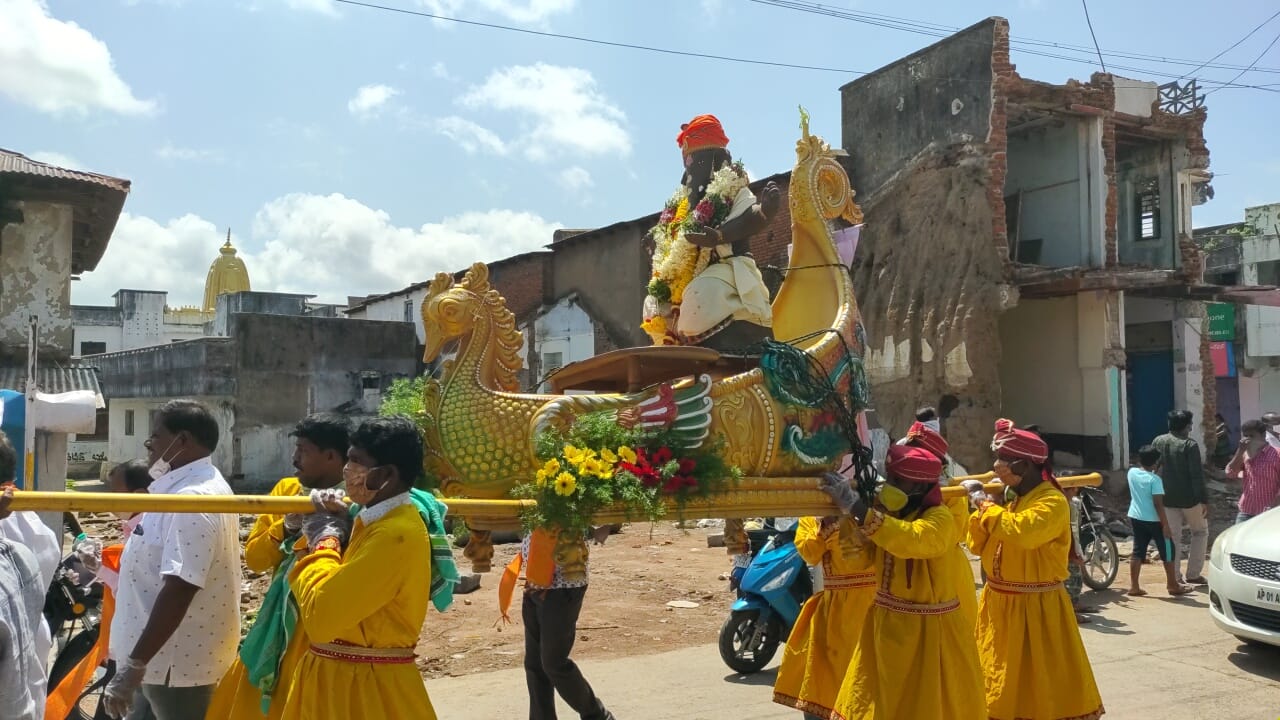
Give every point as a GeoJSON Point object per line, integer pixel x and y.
{"type": "Point", "coordinates": [703, 212]}
{"type": "Point", "coordinates": [667, 216]}
{"type": "Point", "coordinates": [673, 484]}
{"type": "Point", "coordinates": [687, 465]}
{"type": "Point", "coordinates": [690, 481]}
{"type": "Point", "coordinates": [662, 456]}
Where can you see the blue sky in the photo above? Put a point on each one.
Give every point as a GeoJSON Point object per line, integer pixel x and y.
{"type": "Point", "coordinates": [354, 151]}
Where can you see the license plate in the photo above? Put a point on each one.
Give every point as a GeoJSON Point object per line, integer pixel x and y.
{"type": "Point", "coordinates": [1268, 596]}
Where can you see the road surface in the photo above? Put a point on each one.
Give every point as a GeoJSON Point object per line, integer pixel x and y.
{"type": "Point", "coordinates": [1153, 657]}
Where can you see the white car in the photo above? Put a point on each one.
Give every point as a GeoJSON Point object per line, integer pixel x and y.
{"type": "Point", "coordinates": [1244, 579]}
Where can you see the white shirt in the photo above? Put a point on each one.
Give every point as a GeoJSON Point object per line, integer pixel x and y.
{"type": "Point", "coordinates": [25, 528]}
{"type": "Point", "coordinates": [22, 679]}
{"type": "Point", "coordinates": [201, 549]}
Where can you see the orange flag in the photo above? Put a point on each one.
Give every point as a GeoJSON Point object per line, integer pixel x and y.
{"type": "Point", "coordinates": [540, 572]}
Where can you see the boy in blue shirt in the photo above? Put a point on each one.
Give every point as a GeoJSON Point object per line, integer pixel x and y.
{"type": "Point", "coordinates": [1150, 525]}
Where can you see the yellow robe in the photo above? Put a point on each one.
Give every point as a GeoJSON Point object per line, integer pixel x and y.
{"type": "Point", "coordinates": [916, 658]}
{"type": "Point", "coordinates": [374, 596]}
{"type": "Point", "coordinates": [235, 698]}
{"type": "Point", "coordinates": [1034, 661]}
{"type": "Point", "coordinates": [821, 645]}
{"type": "Point", "coordinates": [962, 571]}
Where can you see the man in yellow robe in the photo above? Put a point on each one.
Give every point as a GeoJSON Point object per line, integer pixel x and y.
{"type": "Point", "coordinates": [320, 451]}
{"type": "Point", "coordinates": [822, 640]}
{"type": "Point", "coordinates": [363, 609]}
{"type": "Point", "coordinates": [916, 657]}
{"type": "Point", "coordinates": [923, 436]}
{"type": "Point", "coordinates": [1035, 663]}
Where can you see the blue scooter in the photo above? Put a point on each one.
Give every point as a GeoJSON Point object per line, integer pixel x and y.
{"type": "Point", "coordinates": [771, 591]}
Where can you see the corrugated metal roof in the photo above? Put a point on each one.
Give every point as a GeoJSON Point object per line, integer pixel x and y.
{"type": "Point", "coordinates": [53, 380]}
{"type": "Point", "coordinates": [19, 164]}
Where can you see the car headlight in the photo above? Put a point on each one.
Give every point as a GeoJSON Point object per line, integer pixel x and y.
{"type": "Point", "coordinates": [1218, 552]}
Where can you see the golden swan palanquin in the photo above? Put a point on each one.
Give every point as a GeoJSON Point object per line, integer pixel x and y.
{"type": "Point", "coordinates": [480, 432]}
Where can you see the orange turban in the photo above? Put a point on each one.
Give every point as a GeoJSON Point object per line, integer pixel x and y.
{"type": "Point", "coordinates": [701, 133]}
{"type": "Point", "coordinates": [923, 436]}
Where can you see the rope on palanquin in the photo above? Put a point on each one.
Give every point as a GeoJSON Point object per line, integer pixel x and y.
{"type": "Point", "coordinates": [796, 377]}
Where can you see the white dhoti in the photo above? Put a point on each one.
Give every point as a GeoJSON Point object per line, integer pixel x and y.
{"type": "Point", "coordinates": [731, 289]}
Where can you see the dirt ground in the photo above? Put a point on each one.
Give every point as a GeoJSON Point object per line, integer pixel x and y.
{"type": "Point", "coordinates": [633, 577]}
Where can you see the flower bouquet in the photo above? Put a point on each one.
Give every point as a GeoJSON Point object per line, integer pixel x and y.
{"type": "Point", "coordinates": [599, 465]}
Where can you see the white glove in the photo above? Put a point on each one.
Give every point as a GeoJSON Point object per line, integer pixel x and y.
{"type": "Point", "coordinates": [329, 500]}
{"type": "Point", "coordinates": [838, 488]}
{"type": "Point", "coordinates": [977, 493]}
{"type": "Point", "coordinates": [321, 525]}
{"type": "Point", "coordinates": [293, 523]}
{"type": "Point", "coordinates": [117, 698]}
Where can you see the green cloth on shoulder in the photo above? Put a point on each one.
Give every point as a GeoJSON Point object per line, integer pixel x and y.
{"type": "Point", "coordinates": [444, 571]}
{"type": "Point", "coordinates": [265, 644]}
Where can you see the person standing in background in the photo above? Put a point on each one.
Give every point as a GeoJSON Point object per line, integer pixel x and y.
{"type": "Point", "coordinates": [1186, 501]}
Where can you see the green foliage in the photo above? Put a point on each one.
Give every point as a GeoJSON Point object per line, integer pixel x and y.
{"type": "Point", "coordinates": [404, 397]}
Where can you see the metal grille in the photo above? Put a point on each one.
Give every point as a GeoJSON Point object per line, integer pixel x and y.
{"type": "Point", "coordinates": [1256, 616]}
{"type": "Point", "coordinates": [1255, 567]}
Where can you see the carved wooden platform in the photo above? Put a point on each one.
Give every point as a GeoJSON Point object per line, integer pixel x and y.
{"type": "Point", "coordinates": [633, 369]}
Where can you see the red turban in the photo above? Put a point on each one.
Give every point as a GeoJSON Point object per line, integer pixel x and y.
{"type": "Point", "coordinates": [701, 133]}
{"type": "Point", "coordinates": [1010, 442]}
{"type": "Point", "coordinates": [914, 464]}
{"type": "Point", "coordinates": [923, 436]}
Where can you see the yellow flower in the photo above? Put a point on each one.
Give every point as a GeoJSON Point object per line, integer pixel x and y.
{"type": "Point", "coordinates": [590, 466]}
{"type": "Point", "coordinates": [566, 484]}
{"type": "Point", "coordinates": [573, 454]}
{"type": "Point", "coordinates": [608, 456]}
{"type": "Point", "coordinates": [627, 454]}
{"type": "Point", "coordinates": [541, 477]}
{"type": "Point", "coordinates": [552, 466]}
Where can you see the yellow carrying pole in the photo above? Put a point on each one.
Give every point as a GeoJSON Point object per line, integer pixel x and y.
{"type": "Point", "coordinates": [801, 501]}
{"type": "Point", "coordinates": [240, 504]}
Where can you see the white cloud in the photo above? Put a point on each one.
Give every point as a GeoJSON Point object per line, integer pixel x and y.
{"type": "Point", "coordinates": [329, 245]}
{"type": "Point", "coordinates": [441, 71]}
{"type": "Point", "coordinates": [561, 108]}
{"type": "Point", "coordinates": [324, 7]}
{"type": "Point", "coordinates": [712, 7]}
{"type": "Point", "coordinates": [57, 159]}
{"type": "Point", "coordinates": [56, 66]}
{"type": "Point", "coordinates": [529, 12]}
{"type": "Point", "coordinates": [146, 255]}
{"type": "Point", "coordinates": [170, 152]}
{"type": "Point", "coordinates": [370, 99]}
{"type": "Point", "coordinates": [575, 179]}
{"type": "Point", "coordinates": [470, 136]}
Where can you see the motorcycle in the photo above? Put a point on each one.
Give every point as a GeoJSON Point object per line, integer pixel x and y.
{"type": "Point", "coordinates": [771, 591]}
{"type": "Point", "coordinates": [73, 610]}
{"type": "Point", "coordinates": [1097, 544]}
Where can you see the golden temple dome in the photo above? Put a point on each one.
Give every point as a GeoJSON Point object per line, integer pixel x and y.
{"type": "Point", "coordinates": [227, 274]}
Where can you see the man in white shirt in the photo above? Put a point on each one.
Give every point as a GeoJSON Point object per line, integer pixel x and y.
{"type": "Point", "coordinates": [177, 620]}
{"type": "Point", "coordinates": [25, 546]}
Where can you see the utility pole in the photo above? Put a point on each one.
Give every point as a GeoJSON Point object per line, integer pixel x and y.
{"type": "Point", "coordinates": [29, 424]}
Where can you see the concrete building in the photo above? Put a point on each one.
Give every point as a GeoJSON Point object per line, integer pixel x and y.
{"type": "Point", "coordinates": [1022, 236]}
{"type": "Point", "coordinates": [1245, 339]}
{"type": "Point", "coordinates": [271, 363]}
{"type": "Point", "coordinates": [54, 225]}
{"type": "Point", "coordinates": [142, 318]}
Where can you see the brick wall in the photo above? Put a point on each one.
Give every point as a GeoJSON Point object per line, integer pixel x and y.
{"type": "Point", "coordinates": [521, 281]}
{"type": "Point", "coordinates": [769, 246]}
{"type": "Point", "coordinates": [1004, 75]}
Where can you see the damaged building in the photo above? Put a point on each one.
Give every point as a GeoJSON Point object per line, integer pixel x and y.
{"type": "Point", "coordinates": [1028, 252]}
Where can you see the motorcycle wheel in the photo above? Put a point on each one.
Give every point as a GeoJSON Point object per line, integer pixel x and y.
{"type": "Point", "coordinates": [1101, 559]}
{"type": "Point", "coordinates": [736, 636]}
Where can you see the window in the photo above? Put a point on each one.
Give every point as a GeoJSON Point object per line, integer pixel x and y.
{"type": "Point", "coordinates": [128, 423]}
{"type": "Point", "coordinates": [408, 310]}
{"type": "Point", "coordinates": [370, 381]}
{"type": "Point", "coordinates": [92, 348]}
{"type": "Point", "coordinates": [1148, 209]}
{"type": "Point", "coordinates": [552, 361]}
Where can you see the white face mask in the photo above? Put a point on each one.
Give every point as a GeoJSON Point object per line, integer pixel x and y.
{"type": "Point", "coordinates": [161, 467]}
